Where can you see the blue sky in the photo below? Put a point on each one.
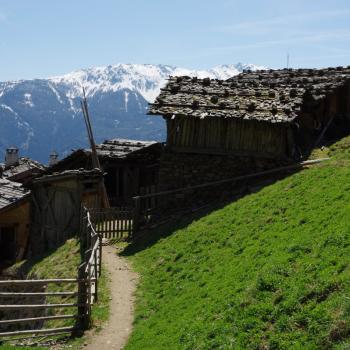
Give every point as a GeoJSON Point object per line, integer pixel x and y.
{"type": "Point", "coordinates": [40, 38]}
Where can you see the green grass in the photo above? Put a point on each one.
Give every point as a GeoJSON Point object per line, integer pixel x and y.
{"type": "Point", "coordinates": [270, 271]}
{"type": "Point", "coordinates": [63, 263]}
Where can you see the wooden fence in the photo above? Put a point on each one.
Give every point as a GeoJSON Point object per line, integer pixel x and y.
{"type": "Point", "coordinates": [19, 291]}
{"type": "Point", "coordinates": [92, 242]}
{"type": "Point", "coordinates": [78, 295]}
{"type": "Point", "coordinates": [116, 222]}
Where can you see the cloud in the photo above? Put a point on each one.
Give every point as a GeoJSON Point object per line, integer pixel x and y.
{"type": "Point", "coordinates": [277, 23]}
{"type": "Point", "coordinates": [294, 39]}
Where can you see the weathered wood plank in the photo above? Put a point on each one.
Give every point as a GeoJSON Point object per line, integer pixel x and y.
{"type": "Point", "coordinates": [43, 281]}
{"type": "Point", "coordinates": [37, 306]}
{"type": "Point", "coordinates": [35, 319]}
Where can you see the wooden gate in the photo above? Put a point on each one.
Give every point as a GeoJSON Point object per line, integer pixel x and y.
{"type": "Point", "coordinates": [116, 222]}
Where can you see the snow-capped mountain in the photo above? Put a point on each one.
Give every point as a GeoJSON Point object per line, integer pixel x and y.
{"type": "Point", "coordinates": [40, 115]}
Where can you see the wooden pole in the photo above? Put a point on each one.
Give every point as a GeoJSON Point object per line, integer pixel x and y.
{"type": "Point", "coordinates": [100, 256]}
{"type": "Point", "coordinates": [96, 274]}
{"type": "Point", "coordinates": [82, 321]}
{"type": "Point", "coordinates": [319, 139]}
{"type": "Point", "coordinates": [95, 160]}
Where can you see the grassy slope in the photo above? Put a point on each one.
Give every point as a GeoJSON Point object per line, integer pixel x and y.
{"type": "Point", "coordinates": [270, 271]}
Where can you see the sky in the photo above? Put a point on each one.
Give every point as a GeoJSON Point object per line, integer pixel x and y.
{"type": "Point", "coordinates": [41, 38]}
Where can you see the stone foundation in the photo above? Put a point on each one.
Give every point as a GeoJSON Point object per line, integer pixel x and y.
{"type": "Point", "coordinates": [179, 170]}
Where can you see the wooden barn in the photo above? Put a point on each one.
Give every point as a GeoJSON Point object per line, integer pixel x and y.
{"type": "Point", "coordinates": [254, 120]}
{"type": "Point", "coordinates": [20, 169]}
{"type": "Point", "coordinates": [14, 221]}
{"type": "Point", "coordinates": [56, 202]}
{"type": "Point", "coordinates": [130, 167]}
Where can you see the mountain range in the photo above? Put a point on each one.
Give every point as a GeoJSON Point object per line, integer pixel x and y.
{"type": "Point", "coordinates": [42, 115]}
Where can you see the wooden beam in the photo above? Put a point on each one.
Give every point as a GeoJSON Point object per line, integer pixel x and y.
{"type": "Point", "coordinates": [60, 294]}
{"type": "Point", "coordinates": [54, 280]}
{"type": "Point", "coordinates": [35, 319]}
{"type": "Point", "coordinates": [37, 306]}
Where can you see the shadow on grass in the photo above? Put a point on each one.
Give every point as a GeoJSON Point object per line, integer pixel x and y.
{"type": "Point", "coordinates": [146, 238]}
{"type": "Point", "coordinates": [22, 269]}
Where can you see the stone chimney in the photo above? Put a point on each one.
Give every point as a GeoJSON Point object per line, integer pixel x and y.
{"type": "Point", "coordinates": [53, 158]}
{"type": "Point", "coordinates": [11, 157]}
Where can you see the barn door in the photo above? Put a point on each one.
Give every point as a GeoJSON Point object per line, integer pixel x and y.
{"type": "Point", "coordinates": [55, 218]}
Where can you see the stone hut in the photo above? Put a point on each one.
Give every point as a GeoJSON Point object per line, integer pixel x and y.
{"type": "Point", "coordinates": [250, 122]}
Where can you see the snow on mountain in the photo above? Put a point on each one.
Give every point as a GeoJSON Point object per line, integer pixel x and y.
{"type": "Point", "coordinates": [146, 79]}
{"type": "Point", "coordinates": [40, 115]}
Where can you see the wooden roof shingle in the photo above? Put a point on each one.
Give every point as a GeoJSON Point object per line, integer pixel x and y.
{"type": "Point", "coordinates": [24, 165]}
{"type": "Point", "coordinates": [274, 96]}
{"type": "Point", "coordinates": [11, 192]}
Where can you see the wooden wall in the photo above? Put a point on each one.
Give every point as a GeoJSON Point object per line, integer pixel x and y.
{"type": "Point", "coordinates": [227, 136]}
{"type": "Point", "coordinates": [18, 217]}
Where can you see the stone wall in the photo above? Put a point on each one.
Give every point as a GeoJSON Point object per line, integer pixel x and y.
{"type": "Point", "coordinates": [180, 170]}
{"type": "Point", "coordinates": [183, 169]}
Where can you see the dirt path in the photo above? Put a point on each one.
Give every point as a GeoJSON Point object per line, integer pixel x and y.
{"type": "Point", "coordinates": [116, 331]}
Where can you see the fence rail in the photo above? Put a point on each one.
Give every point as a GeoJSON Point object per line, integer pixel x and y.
{"type": "Point", "coordinates": [116, 222]}
{"type": "Point", "coordinates": [148, 207]}
{"type": "Point", "coordinates": [36, 302]}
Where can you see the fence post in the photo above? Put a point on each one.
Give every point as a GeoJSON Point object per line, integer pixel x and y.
{"type": "Point", "coordinates": [136, 215]}
{"type": "Point", "coordinates": [87, 255]}
{"type": "Point", "coordinates": [83, 320]}
{"type": "Point", "coordinates": [96, 274]}
{"type": "Point", "coordinates": [100, 256]}
{"type": "Point", "coordinates": [82, 228]}
{"type": "Point", "coordinates": [89, 292]}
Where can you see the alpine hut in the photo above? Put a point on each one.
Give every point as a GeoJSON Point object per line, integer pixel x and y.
{"type": "Point", "coordinates": [252, 121]}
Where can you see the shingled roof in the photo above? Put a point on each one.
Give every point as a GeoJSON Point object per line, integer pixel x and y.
{"type": "Point", "coordinates": [109, 149]}
{"type": "Point", "coordinates": [275, 96]}
{"type": "Point", "coordinates": [75, 173]}
{"type": "Point", "coordinates": [121, 148]}
{"type": "Point", "coordinates": [24, 165]}
{"type": "Point", "coordinates": [10, 192]}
